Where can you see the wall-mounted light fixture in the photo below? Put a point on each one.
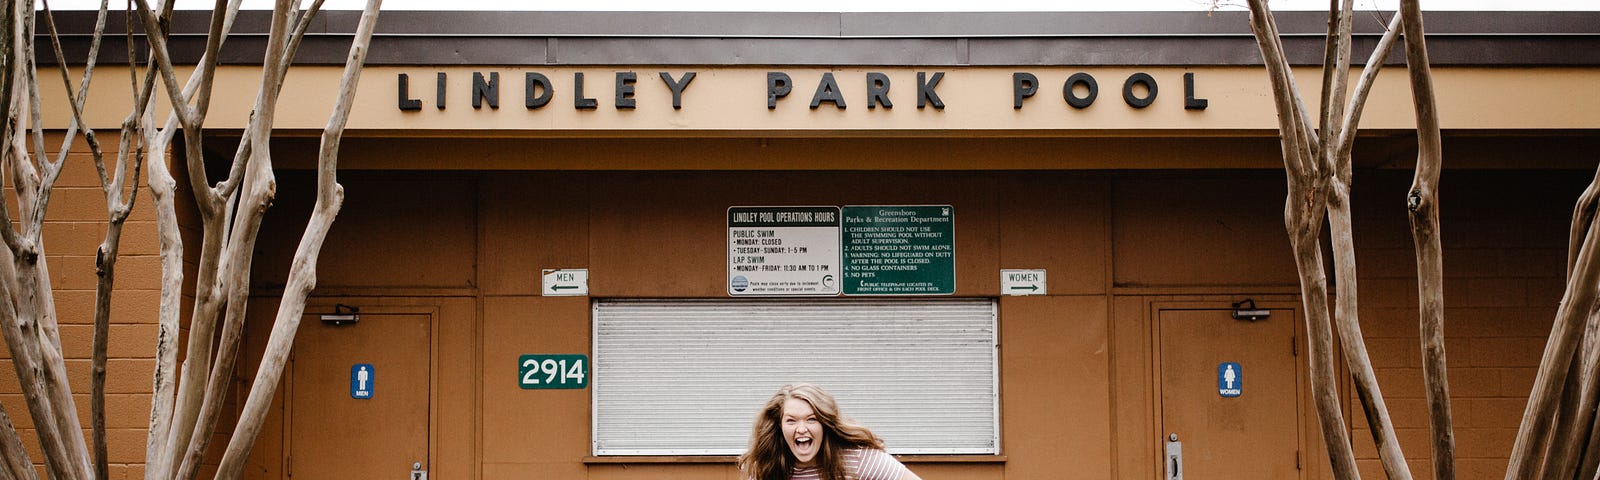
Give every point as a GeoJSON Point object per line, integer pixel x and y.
{"type": "Point", "coordinates": [342, 315]}
{"type": "Point", "coordinates": [1246, 310]}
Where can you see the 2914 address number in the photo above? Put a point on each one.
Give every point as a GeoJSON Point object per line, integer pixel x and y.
{"type": "Point", "coordinates": [539, 371]}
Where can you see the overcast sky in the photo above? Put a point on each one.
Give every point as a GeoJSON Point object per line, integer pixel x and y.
{"type": "Point", "coordinates": [880, 6]}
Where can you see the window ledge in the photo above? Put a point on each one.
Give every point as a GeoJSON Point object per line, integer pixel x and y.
{"type": "Point", "coordinates": [912, 459]}
{"type": "Point", "coordinates": [660, 459]}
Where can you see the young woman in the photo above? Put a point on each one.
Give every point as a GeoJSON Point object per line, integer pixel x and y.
{"type": "Point", "coordinates": [800, 435]}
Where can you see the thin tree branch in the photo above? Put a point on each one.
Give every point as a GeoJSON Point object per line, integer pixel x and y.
{"type": "Point", "coordinates": [1358, 100]}
{"type": "Point", "coordinates": [1298, 144]}
{"type": "Point", "coordinates": [1583, 216]}
{"type": "Point", "coordinates": [1335, 74]}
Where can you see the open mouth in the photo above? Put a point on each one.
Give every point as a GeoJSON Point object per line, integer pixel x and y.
{"type": "Point", "coordinates": [802, 445]}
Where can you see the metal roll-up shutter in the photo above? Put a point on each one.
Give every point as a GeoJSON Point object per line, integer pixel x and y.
{"type": "Point", "coordinates": [687, 377]}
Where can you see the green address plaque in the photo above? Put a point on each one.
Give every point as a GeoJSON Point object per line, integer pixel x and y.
{"type": "Point", "coordinates": [552, 372]}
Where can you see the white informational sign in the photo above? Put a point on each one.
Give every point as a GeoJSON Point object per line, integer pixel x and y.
{"type": "Point", "coordinates": [1022, 282]}
{"type": "Point", "coordinates": [570, 282]}
{"type": "Point", "coordinates": [783, 251]}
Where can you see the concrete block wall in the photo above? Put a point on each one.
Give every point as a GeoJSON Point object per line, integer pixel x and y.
{"type": "Point", "coordinates": [1504, 235]}
{"type": "Point", "coordinates": [75, 226]}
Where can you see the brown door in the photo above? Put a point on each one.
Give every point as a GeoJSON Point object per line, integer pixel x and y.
{"type": "Point", "coordinates": [1229, 394]}
{"type": "Point", "coordinates": [335, 435]}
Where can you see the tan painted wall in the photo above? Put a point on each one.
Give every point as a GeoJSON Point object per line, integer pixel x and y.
{"type": "Point", "coordinates": [1076, 389]}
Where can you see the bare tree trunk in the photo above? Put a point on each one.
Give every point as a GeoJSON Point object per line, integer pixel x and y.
{"type": "Point", "coordinates": [302, 272]}
{"type": "Point", "coordinates": [1572, 439]}
{"type": "Point", "coordinates": [1355, 348]}
{"type": "Point", "coordinates": [1422, 203]}
{"type": "Point", "coordinates": [1571, 316]}
{"type": "Point", "coordinates": [1335, 71]}
{"type": "Point", "coordinates": [117, 213]}
{"type": "Point", "coordinates": [1576, 412]}
{"type": "Point", "coordinates": [183, 413]}
{"type": "Point", "coordinates": [1320, 177]}
{"type": "Point", "coordinates": [30, 325]}
{"type": "Point", "coordinates": [1303, 215]}
{"type": "Point", "coordinates": [15, 458]}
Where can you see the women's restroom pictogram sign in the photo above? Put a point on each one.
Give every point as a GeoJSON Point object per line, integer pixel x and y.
{"type": "Point", "coordinates": [362, 378]}
{"type": "Point", "coordinates": [1230, 379]}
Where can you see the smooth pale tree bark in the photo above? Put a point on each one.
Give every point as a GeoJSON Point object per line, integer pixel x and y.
{"type": "Point", "coordinates": [234, 207]}
{"type": "Point", "coordinates": [1572, 315]}
{"type": "Point", "coordinates": [29, 311]}
{"type": "Point", "coordinates": [302, 272]}
{"type": "Point", "coordinates": [1588, 460]}
{"type": "Point", "coordinates": [1571, 451]}
{"type": "Point", "coordinates": [1575, 453]}
{"type": "Point", "coordinates": [1422, 203]}
{"type": "Point", "coordinates": [190, 108]}
{"type": "Point", "coordinates": [116, 215]}
{"type": "Point", "coordinates": [1574, 421]}
{"type": "Point", "coordinates": [1319, 179]}
{"type": "Point", "coordinates": [186, 402]}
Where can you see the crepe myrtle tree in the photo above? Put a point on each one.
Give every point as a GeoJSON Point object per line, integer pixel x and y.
{"type": "Point", "coordinates": [1316, 157]}
{"type": "Point", "coordinates": [187, 400]}
{"type": "Point", "coordinates": [1557, 438]}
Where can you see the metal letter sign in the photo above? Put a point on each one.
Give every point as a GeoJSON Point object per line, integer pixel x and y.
{"type": "Point", "coordinates": [362, 378]}
{"type": "Point", "coordinates": [539, 372]}
{"type": "Point", "coordinates": [1230, 379]}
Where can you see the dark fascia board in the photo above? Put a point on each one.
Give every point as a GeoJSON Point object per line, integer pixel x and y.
{"type": "Point", "coordinates": [885, 39]}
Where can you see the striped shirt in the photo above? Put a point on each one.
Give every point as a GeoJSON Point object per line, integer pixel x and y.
{"type": "Point", "coordinates": [860, 464]}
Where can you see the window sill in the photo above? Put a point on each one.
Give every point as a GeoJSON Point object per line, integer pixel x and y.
{"type": "Point", "coordinates": [615, 459]}
{"type": "Point", "coordinates": [706, 459]}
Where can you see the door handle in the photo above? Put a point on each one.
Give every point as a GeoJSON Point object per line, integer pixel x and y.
{"type": "Point", "coordinates": [1174, 462]}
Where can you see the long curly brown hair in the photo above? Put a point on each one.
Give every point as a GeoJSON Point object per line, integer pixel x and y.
{"type": "Point", "coordinates": [769, 457]}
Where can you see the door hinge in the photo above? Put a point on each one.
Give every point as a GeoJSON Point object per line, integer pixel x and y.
{"type": "Point", "coordinates": [288, 465]}
{"type": "Point", "coordinates": [1297, 460]}
{"type": "Point", "coordinates": [1294, 347]}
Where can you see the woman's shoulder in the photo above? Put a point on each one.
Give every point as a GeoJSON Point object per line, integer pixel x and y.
{"type": "Point", "coordinates": [868, 452]}
{"type": "Point", "coordinates": [875, 463]}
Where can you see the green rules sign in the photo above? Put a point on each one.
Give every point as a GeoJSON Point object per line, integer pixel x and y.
{"type": "Point", "coordinates": [899, 250]}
